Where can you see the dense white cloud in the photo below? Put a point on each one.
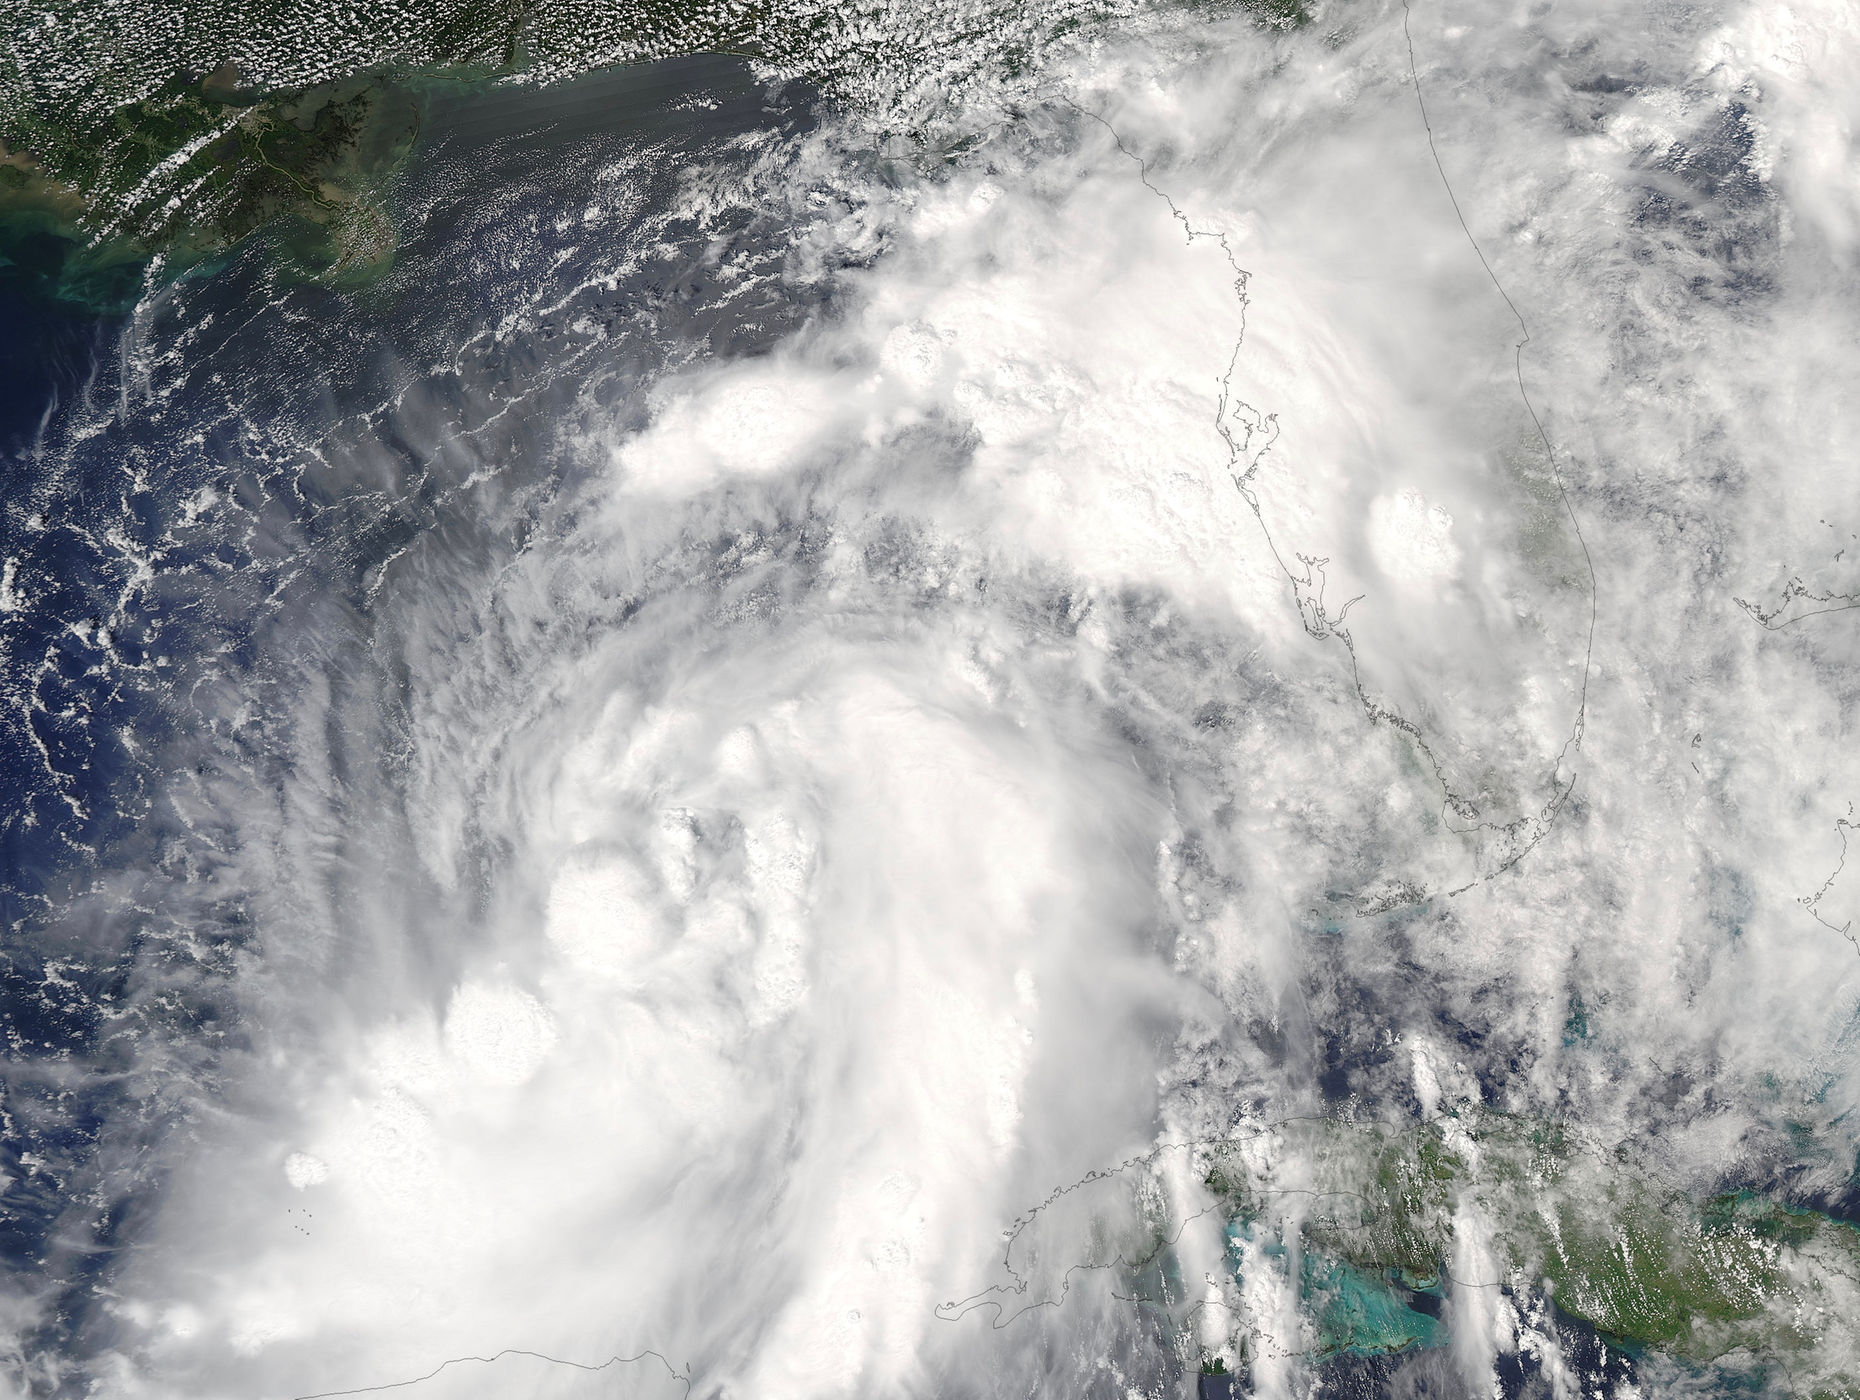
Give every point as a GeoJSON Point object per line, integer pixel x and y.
{"type": "Point", "coordinates": [903, 780]}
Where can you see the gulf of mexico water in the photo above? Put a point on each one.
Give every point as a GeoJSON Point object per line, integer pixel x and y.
{"type": "Point", "coordinates": [207, 482]}
{"type": "Point", "coordinates": [720, 778]}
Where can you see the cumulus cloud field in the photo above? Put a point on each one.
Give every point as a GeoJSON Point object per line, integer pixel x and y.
{"type": "Point", "coordinates": [1231, 638]}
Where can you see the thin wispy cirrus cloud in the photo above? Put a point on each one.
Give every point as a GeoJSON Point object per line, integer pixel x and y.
{"type": "Point", "coordinates": [1224, 616]}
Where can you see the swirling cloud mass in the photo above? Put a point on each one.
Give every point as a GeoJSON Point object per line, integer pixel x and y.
{"type": "Point", "coordinates": [1197, 734]}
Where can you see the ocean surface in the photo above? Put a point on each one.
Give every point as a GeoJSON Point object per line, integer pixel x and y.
{"type": "Point", "coordinates": [1202, 727]}
{"type": "Point", "coordinates": [206, 486]}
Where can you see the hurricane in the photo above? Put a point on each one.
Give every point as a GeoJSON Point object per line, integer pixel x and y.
{"type": "Point", "coordinates": [1146, 701]}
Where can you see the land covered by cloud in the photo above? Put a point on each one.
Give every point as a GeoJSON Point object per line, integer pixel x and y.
{"type": "Point", "coordinates": [1223, 614]}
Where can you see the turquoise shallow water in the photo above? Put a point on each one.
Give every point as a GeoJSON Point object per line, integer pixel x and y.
{"type": "Point", "coordinates": [48, 262]}
{"type": "Point", "coordinates": [1357, 1312]}
{"type": "Point", "coordinates": [1363, 1314]}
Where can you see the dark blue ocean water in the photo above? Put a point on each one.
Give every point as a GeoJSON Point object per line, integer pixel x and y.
{"type": "Point", "coordinates": [48, 349]}
{"type": "Point", "coordinates": [202, 489]}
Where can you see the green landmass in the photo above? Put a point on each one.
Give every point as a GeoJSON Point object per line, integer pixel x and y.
{"type": "Point", "coordinates": [190, 170]}
{"type": "Point", "coordinates": [139, 129]}
{"type": "Point", "coordinates": [1653, 1269]}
